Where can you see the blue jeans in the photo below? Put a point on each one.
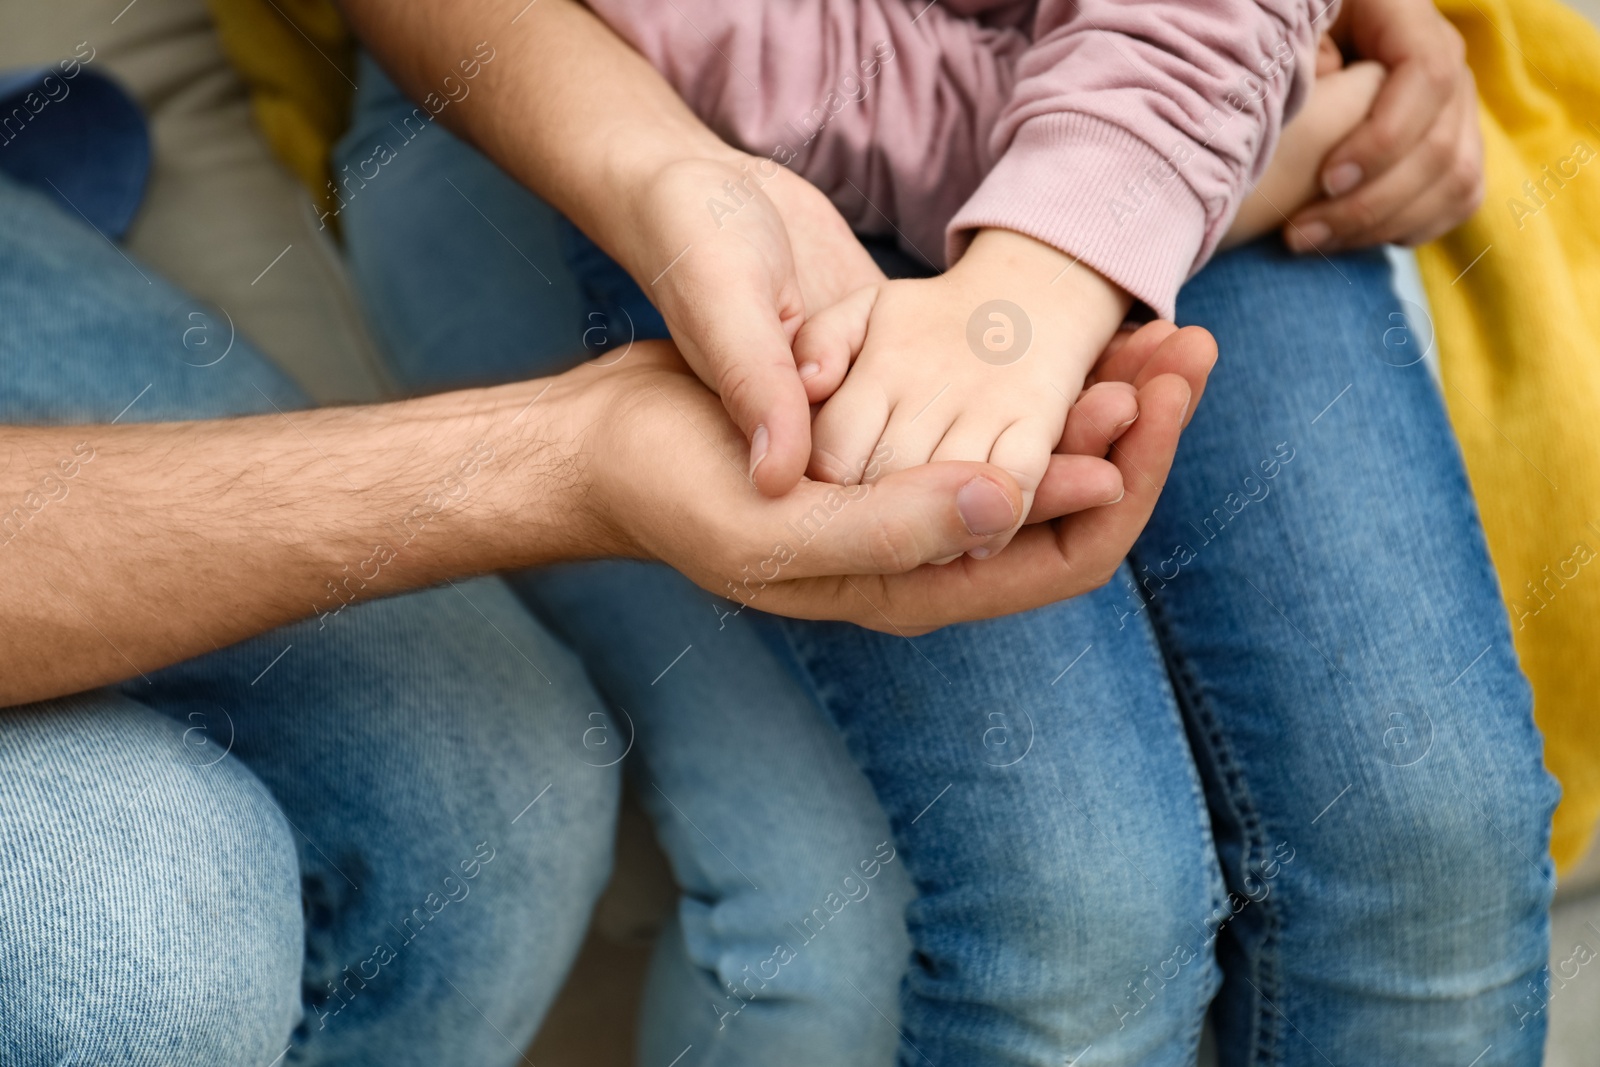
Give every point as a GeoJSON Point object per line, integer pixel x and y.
{"type": "Point", "coordinates": [1283, 771]}
{"type": "Point", "coordinates": [315, 847]}
{"type": "Point", "coordinates": [764, 817]}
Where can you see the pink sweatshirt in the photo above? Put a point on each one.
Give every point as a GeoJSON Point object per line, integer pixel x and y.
{"type": "Point", "coordinates": [1124, 132]}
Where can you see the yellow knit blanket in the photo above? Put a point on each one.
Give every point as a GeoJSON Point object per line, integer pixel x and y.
{"type": "Point", "coordinates": [1516, 307]}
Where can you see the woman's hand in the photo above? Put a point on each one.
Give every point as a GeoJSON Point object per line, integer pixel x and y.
{"type": "Point", "coordinates": [737, 252]}
{"type": "Point", "coordinates": [1414, 169]}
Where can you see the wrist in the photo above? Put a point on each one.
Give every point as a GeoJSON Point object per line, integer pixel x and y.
{"type": "Point", "coordinates": [658, 192]}
{"type": "Point", "coordinates": [1044, 276]}
{"type": "Point", "coordinates": [482, 480]}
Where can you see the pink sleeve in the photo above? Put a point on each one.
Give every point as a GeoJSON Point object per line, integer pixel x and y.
{"type": "Point", "coordinates": [1134, 130]}
{"type": "Point", "coordinates": [884, 105]}
{"type": "Point", "coordinates": [1126, 133]}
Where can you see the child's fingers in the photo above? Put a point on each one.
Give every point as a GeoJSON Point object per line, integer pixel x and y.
{"type": "Point", "coordinates": [830, 339]}
{"type": "Point", "coordinates": [846, 434]}
{"type": "Point", "coordinates": [1023, 451]}
{"type": "Point", "coordinates": [918, 427]}
{"type": "Point", "coordinates": [1075, 483]}
{"type": "Point", "coordinates": [1099, 416]}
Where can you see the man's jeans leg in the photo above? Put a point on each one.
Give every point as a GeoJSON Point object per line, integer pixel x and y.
{"type": "Point", "coordinates": [409, 769]}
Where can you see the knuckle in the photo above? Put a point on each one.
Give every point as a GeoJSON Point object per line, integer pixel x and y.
{"type": "Point", "coordinates": [1360, 216]}
{"type": "Point", "coordinates": [1442, 66]}
{"type": "Point", "coordinates": [1101, 575]}
{"type": "Point", "coordinates": [828, 467]}
{"type": "Point", "coordinates": [1383, 138]}
{"type": "Point", "coordinates": [1442, 141]}
{"type": "Point", "coordinates": [1454, 45]}
{"type": "Point", "coordinates": [892, 546]}
{"type": "Point", "coordinates": [744, 386]}
{"type": "Point", "coordinates": [736, 384]}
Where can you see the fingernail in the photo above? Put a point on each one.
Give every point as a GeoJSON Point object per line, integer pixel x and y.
{"type": "Point", "coordinates": [1118, 498]}
{"type": "Point", "coordinates": [981, 552]}
{"type": "Point", "coordinates": [758, 448]}
{"type": "Point", "coordinates": [1309, 236]}
{"type": "Point", "coordinates": [1341, 179]}
{"type": "Point", "coordinates": [1125, 425]}
{"type": "Point", "coordinates": [985, 509]}
{"type": "Point", "coordinates": [809, 370]}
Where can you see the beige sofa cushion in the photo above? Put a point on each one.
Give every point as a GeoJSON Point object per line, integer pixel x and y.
{"type": "Point", "coordinates": [222, 218]}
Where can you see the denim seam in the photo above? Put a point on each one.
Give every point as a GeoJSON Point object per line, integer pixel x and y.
{"type": "Point", "coordinates": [1267, 1035]}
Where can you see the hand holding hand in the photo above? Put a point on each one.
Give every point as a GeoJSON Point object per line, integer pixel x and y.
{"type": "Point", "coordinates": [662, 476]}
{"type": "Point", "coordinates": [981, 363]}
{"type": "Point", "coordinates": [1413, 170]}
{"type": "Point", "coordinates": [736, 251]}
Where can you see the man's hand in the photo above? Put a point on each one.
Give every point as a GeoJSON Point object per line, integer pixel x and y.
{"type": "Point", "coordinates": [667, 482]}
{"type": "Point", "coordinates": [1414, 169]}
{"type": "Point", "coordinates": [255, 522]}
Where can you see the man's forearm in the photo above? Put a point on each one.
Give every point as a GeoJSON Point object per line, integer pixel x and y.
{"type": "Point", "coordinates": [127, 548]}
{"type": "Point", "coordinates": [565, 106]}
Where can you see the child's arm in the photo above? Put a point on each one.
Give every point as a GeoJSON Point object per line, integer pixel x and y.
{"type": "Point", "coordinates": [1339, 102]}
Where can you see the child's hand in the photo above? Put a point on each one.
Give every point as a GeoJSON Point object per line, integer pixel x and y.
{"type": "Point", "coordinates": [1340, 100]}
{"type": "Point", "coordinates": [980, 363]}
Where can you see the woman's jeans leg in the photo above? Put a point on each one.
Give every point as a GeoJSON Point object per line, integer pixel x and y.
{"type": "Point", "coordinates": [201, 866]}
{"type": "Point", "coordinates": [1338, 642]}
{"type": "Point", "coordinates": [1319, 589]}
{"type": "Point", "coordinates": [767, 822]}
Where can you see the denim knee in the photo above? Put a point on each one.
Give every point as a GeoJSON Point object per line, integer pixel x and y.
{"type": "Point", "coordinates": [1448, 883]}
{"type": "Point", "coordinates": [802, 987]}
{"type": "Point", "coordinates": [152, 909]}
{"type": "Point", "coordinates": [1063, 948]}
{"type": "Point", "coordinates": [1444, 881]}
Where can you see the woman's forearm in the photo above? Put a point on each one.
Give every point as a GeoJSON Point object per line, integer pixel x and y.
{"type": "Point", "coordinates": [565, 106]}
